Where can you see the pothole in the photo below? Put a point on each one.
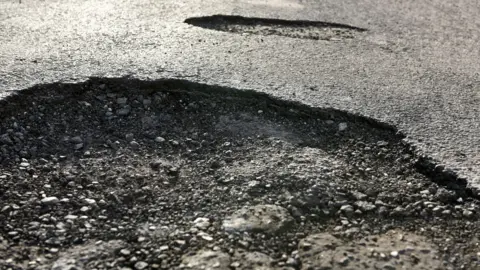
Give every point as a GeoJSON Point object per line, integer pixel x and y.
{"type": "Point", "coordinates": [190, 175]}
{"type": "Point", "coordinates": [264, 26]}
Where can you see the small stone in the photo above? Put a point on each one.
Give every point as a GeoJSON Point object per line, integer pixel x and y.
{"type": "Point", "coordinates": [141, 265]}
{"type": "Point", "coordinates": [134, 144]}
{"type": "Point", "coordinates": [90, 201]}
{"type": "Point", "coordinates": [291, 261]}
{"type": "Point", "coordinates": [122, 101]}
{"type": "Point", "coordinates": [467, 213]}
{"type": "Point", "coordinates": [160, 139]}
{"type": "Point", "coordinates": [43, 161]}
{"type": "Point", "coordinates": [124, 111]}
{"type": "Point", "coordinates": [445, 196]}
{"type": "Point", "coordinates": [365, 227]}
{"type": "Point", "coordinates": [359, 195]}
{"type": "Point", "coordinates": [365, 206]}
{"type": "Point", "coordinates": [78, 146]}
{"type": "Point", "coordinates": [129, 137]}
{"type": "Point", "coordinates": [147, 102]}
{"type": "Point", "coordinates": [125, 252]}
{"type": "Point", "coordinates": [71, 217]}
{"type": "Point", "coordinates": [101, 97]}
{"type": "Point", "coordinates": [207, 237]}
{"type": "Point", "coordinates": [76, 140]}
{"type": "Point", "coordinates": [352, 231]}
{"type": "Point", "coordinates": [347, 208]}
{"type": "Point", "coordinates": [244, 244]}
{"type": "Point", "coordinates": [201, 223]}
{"type": "Point", "coordinates": [342, 126]}
{"type": "Point", "coordinates": [24, 164]}
{"type": "Point", "coordinates": [446, 212]}
{"type": "Point", "coordinates": [398, 211]}
{"type": "Point", "coordinates": [50, 200]}
{"type": "Point", "coordinates": [388, 266]}
{"type": "Point", "coordinates": [180, 243]}
{"type": "Point", "coordinates": [343, 261]}
{"type": "Point", "coordinates": [383, 210]}
{"type": "Point", "coordinates": [5, 139]}
{"type": "Point", "coordinates": [156, 164]}
{"type": "Point", "coordinates": [382, 143]}
{"type": "Point", "coordinates": [162, 256]}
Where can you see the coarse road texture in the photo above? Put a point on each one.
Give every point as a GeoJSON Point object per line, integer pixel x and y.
{"type": "Point", "coordinates": [125, 174]}
{"type": "Point", "coordinates": [415, 67]}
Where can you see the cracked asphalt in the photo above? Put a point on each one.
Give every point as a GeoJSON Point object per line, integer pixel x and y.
{"type": "Point", "coordinates": [415, 67]}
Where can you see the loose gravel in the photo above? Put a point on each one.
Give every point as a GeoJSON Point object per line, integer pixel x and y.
{"type": "Point", "coordinates": [119, 174]}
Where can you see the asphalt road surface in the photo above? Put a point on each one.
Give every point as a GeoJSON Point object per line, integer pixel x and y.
{"type": "Point", "coordinates": [413, 65]}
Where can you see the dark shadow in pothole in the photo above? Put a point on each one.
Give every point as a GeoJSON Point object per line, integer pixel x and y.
{"type": "Point", "coordinates": [54, 94]}
{"type": "Point", "coordinates": [315, 30]}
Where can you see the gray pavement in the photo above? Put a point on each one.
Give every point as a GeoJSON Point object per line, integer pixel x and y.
{"type": "Point", "coordinates": [417, 67]}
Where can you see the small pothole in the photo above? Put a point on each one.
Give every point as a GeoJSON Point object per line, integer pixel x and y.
{"type": "Point", "coordinates": [315, 30]}
{"type": "Point", "coordinates": [160, 165]}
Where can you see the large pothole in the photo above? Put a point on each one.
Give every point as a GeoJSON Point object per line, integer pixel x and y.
{"type": "Point", "coordinates": [173, 168]}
